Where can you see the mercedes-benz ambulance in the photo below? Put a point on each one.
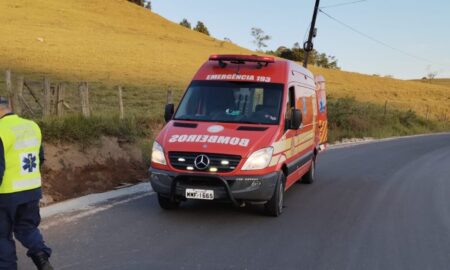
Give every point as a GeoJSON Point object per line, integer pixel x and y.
{"type": "Point", "coordinates": [247, 128]}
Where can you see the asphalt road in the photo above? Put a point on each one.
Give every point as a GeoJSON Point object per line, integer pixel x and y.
{"type": "Point", "coordinates": [383, 205]}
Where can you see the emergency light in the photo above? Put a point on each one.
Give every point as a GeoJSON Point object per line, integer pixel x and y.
{"type": "Point", "coordinates": [241, 59]}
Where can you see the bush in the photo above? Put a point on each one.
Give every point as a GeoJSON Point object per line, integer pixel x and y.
{"type": "Point", "coordinates": [201, 27]}
{"type": "Point", "coordinates": [86, 130]}
{"type": "Point", "coordinates": [349, 118]}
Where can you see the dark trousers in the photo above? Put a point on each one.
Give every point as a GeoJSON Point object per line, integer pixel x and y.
{"type": "Point", "coordinates": [22, 220]}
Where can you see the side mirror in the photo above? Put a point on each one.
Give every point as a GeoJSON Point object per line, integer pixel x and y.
{"type": "Point", "coordinates": [296, 119]}
{"type": "Point", "coordinates": [168, 112]}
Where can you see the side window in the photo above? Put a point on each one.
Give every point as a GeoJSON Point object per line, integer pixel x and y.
{"type": "Point", "coordinates": [291, 97]}
{"type": "Point", "coordinates": [304, 107]}
{"type": "Point", "coordinates": [289, 106]}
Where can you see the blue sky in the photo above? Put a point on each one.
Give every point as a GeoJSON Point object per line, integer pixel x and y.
{"type": "Point", "coordinates": [421, 28]}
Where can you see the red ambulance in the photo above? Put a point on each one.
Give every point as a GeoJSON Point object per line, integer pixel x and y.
{"type": "Point", "coordinates": [247, 128]}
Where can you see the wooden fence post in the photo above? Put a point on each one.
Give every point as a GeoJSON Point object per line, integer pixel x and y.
{"type": "Point", "coordinates": [16, 96]}
{"type": "Point", "coordinates": [47, 98]}
{"type": "Point", "coordinates": [53, 91]}
{"type": "Point", "coordinates": [8, 86]}
{"type": "Point", "coordinates": [8, 81]}
{"type": "Point", "coordinates": [169, 97]}
{"type": "Point", "coordinates": [84, 95]}
{"type": "Point", "coordinates": [60, 93]}
{"type": "Point", "coordinates": [385, 108]}
{"type": "Point", "coordinates": [428, 111]}
{"type": "Point", "coordinates": [120, 102]}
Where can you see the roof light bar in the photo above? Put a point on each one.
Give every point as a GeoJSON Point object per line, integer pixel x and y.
{"type": "Point", "coordinates": [242, 58]}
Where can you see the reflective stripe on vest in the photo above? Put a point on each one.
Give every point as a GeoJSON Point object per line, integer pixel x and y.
{"type": "Point", "coordinates": [27, 183]}
{"type": "Point", "coordinates": [21, 142]}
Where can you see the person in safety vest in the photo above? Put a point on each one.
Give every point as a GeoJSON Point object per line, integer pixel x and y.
{"type": "Point", "coordinates": [21, 155]}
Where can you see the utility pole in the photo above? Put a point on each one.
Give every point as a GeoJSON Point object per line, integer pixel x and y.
{"type": "Point", "coordinates": [308, 45]}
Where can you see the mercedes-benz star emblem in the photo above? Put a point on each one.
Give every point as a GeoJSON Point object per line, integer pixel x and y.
{"type": "Point", "coordinates": [201, 162]}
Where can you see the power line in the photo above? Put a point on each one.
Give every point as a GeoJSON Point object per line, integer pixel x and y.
{"type": "Point", "coordinates": [380, 42]}
{"type": "Point", "coordinates": [343, 4]}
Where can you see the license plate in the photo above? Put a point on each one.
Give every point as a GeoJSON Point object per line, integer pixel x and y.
{"type": "Point", "coordinates": [199, 194]}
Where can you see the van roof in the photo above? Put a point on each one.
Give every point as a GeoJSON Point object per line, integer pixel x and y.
{"type": "Point", "coordinates": [250, 68]}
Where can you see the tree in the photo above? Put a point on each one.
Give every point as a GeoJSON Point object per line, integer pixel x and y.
{"type": "Point", "coordinates": [326, 61]}
{"type": "Point", "coordinates": [260, 38]}
{"type": "Point", "coordinates": [296, 53]}
{"type": "Point", "coordinates": [200, 27]}
{"type": "Point", "coordinates": [432, 75]}
{"type": "Point", "coordinates": [143, 3]}
{"type": "Point", "coordinates": [227, 40]}
{"type": "Point", "coordinates": [185, 23]}
{"type": "Point", "coordinates": [137, 2]}
{"type": "Point", "coordinates": [148, 5]}
{"type": "Point", "coordinates": [332, 62]}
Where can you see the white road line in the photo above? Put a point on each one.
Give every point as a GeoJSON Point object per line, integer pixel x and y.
{"type": "Point", "coordinates": [351, 144]}
{"type": "Point", "coordinates": [92, 210]}
{"type": "Point", "coordinates": [89, 201]}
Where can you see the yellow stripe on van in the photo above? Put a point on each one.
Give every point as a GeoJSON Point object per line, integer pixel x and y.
{"type": "Point", "coordinates": [281, 145]}
{"type": "Point", "coordinates": [285, 145]}
{"type": "Point", "coordinates": [303, 146]}
{"type": "Point", "coordinates": [274, 160]}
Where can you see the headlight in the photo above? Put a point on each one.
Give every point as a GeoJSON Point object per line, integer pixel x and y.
{"type": "Point", "coordinates": [158, 154]}
{"type": "Point", "coordinates": [259, 159]}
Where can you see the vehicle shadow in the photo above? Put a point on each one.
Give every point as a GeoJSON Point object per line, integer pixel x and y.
{"type": "Point", "coordinates": [227, 209]}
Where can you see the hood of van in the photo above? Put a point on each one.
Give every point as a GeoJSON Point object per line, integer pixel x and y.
{"type": "Point", "coordinates": [220, 138]}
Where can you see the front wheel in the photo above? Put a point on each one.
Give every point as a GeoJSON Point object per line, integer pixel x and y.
{"type": "Point", "coordinates": [167, 203]}
{"type": "Point", "coordinates": [274, 207]}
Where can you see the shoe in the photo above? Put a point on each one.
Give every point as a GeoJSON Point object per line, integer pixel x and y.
{"type": "Point", "coordinates": [41, 261]}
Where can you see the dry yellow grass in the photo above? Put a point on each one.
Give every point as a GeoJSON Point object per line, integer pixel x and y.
{"type": "Point", "coordinates": [444, 82]}
{"type": "Point", "coordinates": [109, 40]}
{"type": "Point", "coordinates": [401, 94]}
{"type": "Point", "coordinates": [113, 41]}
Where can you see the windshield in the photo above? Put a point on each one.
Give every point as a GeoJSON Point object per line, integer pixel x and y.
{"type": "Point", "coordinates": [237, 102]}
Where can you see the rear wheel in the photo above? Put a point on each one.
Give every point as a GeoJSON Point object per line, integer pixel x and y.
{"type": "Point", "coordinates": [274, 207]}
{"type": "Point", "coordinates": [167, 203]}
{"type": "Point", "coordinates": [310, 176]}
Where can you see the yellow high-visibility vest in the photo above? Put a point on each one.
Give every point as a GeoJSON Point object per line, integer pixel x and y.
{"type": "Point", "coordinates": [21, 142]}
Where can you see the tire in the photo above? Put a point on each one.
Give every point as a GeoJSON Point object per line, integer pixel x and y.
{"type": "Point", "coordinates": [166, 203]}
{"type": "Point", "coordinates": [310, 176]}
{"type": "Point", "coordinates": [274, 207]}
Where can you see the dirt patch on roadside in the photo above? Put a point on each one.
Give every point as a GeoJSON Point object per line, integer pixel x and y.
{"type": "Point", "coordinates": [71, 170]}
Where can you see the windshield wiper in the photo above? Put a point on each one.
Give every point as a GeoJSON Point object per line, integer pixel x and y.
{"type": "Point", "coordinates": [222, 121]}
{"type": "Point", "coordinates": [186, 119]}
{"type": "Point", "coordinates": [253, 123]}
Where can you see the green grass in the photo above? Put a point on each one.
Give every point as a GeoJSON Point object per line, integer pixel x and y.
{"type": "Point", "coordinates": [349, 118]}
{"type": "Point", "coordinates": [88, 130]}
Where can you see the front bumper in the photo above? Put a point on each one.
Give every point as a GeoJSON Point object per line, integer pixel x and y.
{"type": "Point", "coordinates": [234, 188]}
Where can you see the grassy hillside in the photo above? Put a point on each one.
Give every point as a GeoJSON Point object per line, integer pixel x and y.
{"type": "Point", "coordinates": [110, 42]}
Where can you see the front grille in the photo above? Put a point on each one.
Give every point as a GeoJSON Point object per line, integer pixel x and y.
{"type": "Point", "coordinates": [185, 161]}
